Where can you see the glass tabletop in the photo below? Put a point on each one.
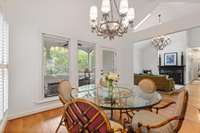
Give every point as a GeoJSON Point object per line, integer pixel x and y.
{"type": "Point", "coordinates": [122, 98]}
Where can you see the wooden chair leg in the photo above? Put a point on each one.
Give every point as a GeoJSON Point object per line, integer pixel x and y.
{"type": "Point", "coordinates": [120, 115]}
{"type": "Point", "coordinates": [61, 123]}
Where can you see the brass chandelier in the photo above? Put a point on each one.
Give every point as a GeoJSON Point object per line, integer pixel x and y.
{"type": "Point", "coordinates": [115, 19]}
{"type": "Point", "coordinates": [160, 42]}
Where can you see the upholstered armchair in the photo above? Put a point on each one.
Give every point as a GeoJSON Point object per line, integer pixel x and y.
{"type": "Point", "coordinates": [82, 116]}
{"type": "Point", "coordinates": [149, 87]}
{"type": "Point", "coordinates": [150, 122]}
{"type": "Point", "coordinates": [64, 94]}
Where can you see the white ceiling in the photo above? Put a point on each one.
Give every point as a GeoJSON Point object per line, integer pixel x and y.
{"type": "Point", "coordinates": [170, 11]}
{"type": "Point", "coordinates": [174, 17]}
{"type": "Point", "coordinates": [74, 15]}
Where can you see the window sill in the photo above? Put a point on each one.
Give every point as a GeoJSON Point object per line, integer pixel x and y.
{"type": "Point", "coordinates": [49, 99]}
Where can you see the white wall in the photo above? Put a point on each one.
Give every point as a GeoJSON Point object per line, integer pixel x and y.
{"type": "Point", "coordinates": [179, 43]}
{"type": "Point", "coordinates": [194, 37]}
{"type": "Point", "coordinates": [28, 19]}
{"type": "Point", "coordinates": [145, 57]}
{"type": "Point", "coordinates": [136, 59]}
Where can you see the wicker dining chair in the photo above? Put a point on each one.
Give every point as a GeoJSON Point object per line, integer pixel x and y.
{"type": "Point", "coordinates": [149, 122]}
{"type": "Point", "coordinates": [102, 83]}
{"type": "Point", "coordinates": [64, 94]}
{"type": "Point", "coordinates": [83, 116]}
{"type": "Point", "coordinates": [147, 85]}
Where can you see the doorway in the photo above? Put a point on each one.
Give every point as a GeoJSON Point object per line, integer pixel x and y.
{"type": "Point", "coordinates": [194, 63]}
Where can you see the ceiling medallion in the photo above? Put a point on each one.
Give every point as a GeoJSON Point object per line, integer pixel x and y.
{"type": "Point", "coordinates": [115, 18]}
{"type": "Point", "coordinates": [160, 42]}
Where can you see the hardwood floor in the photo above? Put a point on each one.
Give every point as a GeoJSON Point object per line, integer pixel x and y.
{"type": "Point", "coordinates": [47, 122]}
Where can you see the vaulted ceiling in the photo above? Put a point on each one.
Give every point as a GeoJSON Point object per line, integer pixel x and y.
{"type": "Point", "coordinates": [74, 14]}
{"type": "Point", "coordinates": [177, 15]}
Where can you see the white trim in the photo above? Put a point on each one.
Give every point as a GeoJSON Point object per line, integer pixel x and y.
{"type": "Point", "coordinates": [46, 100]}
{"type": "Point", "coordinates": [3, 65]}
{"type": "Point", "coordinates": [34, 111]}
{"type": "Point", "coordinates": [40, 97]}
{"type": "Point", "coordinates": [142, 21]}
{"type": "Point", "coordinates": [86, 43]}
{"type": "Point", "coordinates": [95, 52]}
{"type": "Point", "coordinates": [3, 124]}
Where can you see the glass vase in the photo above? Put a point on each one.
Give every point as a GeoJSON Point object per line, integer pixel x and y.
{"type": "Point", "coordinates": [110, 89]}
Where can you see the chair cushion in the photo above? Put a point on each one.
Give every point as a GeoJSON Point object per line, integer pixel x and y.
{"type": "Point", "coordinates": [150, 118]}
{"type": "Point", "coordinates": [115, 126]}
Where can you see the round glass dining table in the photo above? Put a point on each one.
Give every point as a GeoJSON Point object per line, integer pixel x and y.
{"type": "Point", "coordinates": [122, 98]}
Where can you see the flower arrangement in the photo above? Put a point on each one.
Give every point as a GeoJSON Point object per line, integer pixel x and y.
{"type": "Point", "coordinates": [110, 78]}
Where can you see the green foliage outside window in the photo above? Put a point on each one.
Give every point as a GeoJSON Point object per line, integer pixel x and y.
{"type": "Point", "coordinates": [82, 60]}
{"type": "Point", "coordinates": [85, 60]}
{"type": "Point", "coordinates": [57, 62]}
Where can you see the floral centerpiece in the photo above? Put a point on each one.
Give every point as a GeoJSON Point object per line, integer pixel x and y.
{"type": "Point", "coordinates": [110, 79]}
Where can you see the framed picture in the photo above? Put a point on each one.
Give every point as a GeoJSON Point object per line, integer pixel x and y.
{"type": "Point", "coordinates": [170, 59]}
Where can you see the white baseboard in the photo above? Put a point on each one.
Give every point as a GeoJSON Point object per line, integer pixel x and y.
{"type": "Point", "coordinates": [3, 124]}
{"type": "Point", "coordinates": [34, 111]}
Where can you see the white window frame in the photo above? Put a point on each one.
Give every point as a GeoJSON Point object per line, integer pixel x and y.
{"type": "Point", "coordinates": [42, 98]}
{"type": "Point", "coordinates": [95, 52]}
{"type": "Point", "coordinates": [4, 51]}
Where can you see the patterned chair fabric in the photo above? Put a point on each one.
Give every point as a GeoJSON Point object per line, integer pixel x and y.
{"type": "Point", "coordinates": [152, 119]}
{"type": "Point", "coordinates": [64, 90]}
{"type": "Point", "coordinates": [82, 116]}
{"type": "Point", "coordinates": [147, 85]}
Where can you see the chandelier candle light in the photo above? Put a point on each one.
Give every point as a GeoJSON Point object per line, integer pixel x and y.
{"type": "Point", "coordinates": [115, 18]}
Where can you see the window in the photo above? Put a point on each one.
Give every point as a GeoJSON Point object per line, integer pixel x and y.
{"type": "Point", "coordinates": [56, 63]}
{"type": "Point", "coordinates": [86, 63]}
{"type": "Point", "coordinates": [3, 67]}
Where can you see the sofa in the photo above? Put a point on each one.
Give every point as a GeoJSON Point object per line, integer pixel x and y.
{"type": "Point", "coordinates": [163, 83]}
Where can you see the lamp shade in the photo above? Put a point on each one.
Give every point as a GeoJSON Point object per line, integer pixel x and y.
{"type": "Point", "coordinates": [105, 7]}
{"type": "Point", "coordinates": [125, 22]}
{"type": "Point", "coordinates": [93, 13]}
{"type": "Point", "coordinates": [123, 7]}
{"type": "Point", "coordinates": [131, 14]}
